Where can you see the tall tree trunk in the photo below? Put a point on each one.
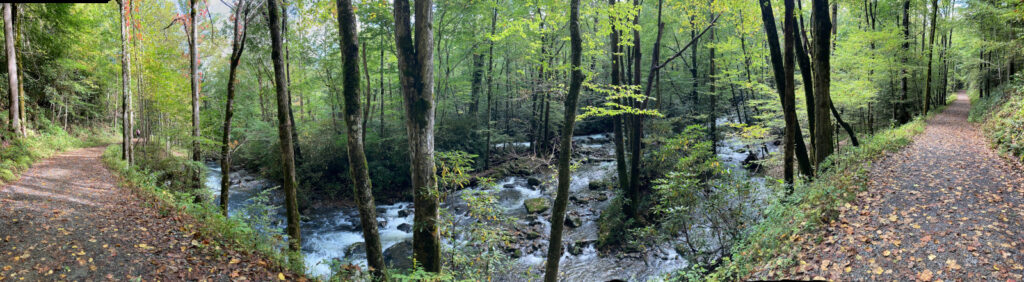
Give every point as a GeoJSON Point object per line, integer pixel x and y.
{"type": "Point", "coordinates": [237, 47]}
{"type": "Point", "coordinates": [194, 78]}
{"type": "Point", "coordinates": [288, 83]}
{"type": "Point", "coordinates": [794, 144]}
{"type": "Point", "coordinates": [931, 47]}
{"type": "Point", "coordinates": [565, 149]}
{"type": "Point", "coordinates": [361, 185]}
{"type": "Point", "coordinates": [621, 166]}
{"type": "Point", "coordinates": [490, 90]}
{"type": "Point", "coordinates": [822, 33]}
{"type": "Point", "coordinates": [476, 83]}
{"type": "Point", "coordinates": [284, 132]}
{"type": "Point", "coordinates": [126, 91]}
{"type": "Point", "coordinates": [416, 74]}
{"type": "Point", "coordinates": [902, 113]}
{"type": "Point", "coordinates": [807, 73]}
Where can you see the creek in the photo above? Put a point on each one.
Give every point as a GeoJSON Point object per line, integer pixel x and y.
{"type": "Point", "coordinates": [336, 233]}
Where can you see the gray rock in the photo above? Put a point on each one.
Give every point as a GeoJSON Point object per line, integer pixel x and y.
{"type": "Point", "coordinates": [399, 256]}
{"type": "Point", "coordinates": [405, 227]}
{"type": "Point", "coordinates": [359, 248]}
{"type": "Point", "coordinates": [573, 221]}
{"type": "Point", "coordinates": [532, 181]}
{"type": "Point", "coordinates": [404, 213]}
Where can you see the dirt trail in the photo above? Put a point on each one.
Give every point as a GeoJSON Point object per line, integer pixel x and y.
{"type": "Point", "coordinates": [947, 207]}
{"type": "Point", "coordinates": [67, 219]}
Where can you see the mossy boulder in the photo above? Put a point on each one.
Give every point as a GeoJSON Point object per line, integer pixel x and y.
{"type": "Point", "coordinates": [533, 181]}
{"type": "Point", "coordinates": [536, 205]}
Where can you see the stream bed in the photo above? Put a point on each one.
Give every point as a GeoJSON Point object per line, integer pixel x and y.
{"type": "Point", "coordinates": [336, 234]}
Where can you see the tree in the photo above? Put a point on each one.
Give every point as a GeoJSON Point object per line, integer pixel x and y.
{"type": "Point", "coordinates": [127, 152]}
{"type": "Point", "coordinates": [284, 129]}
{"type": "Point", "coordinates": [416, 75]}
{"type": "Point", "coordinates": [793, 145]}
{"type": "Point", "coordinates": [931, 47]}
{"type": "Point", "coordinates": [12, 70]}
{"type": "Point", "coordinates": [822, 34]}
{"type": "Point", "coordinates": [565, 149]}
{"type": "Point", "coordinates": [243, 11]}
{"type": "Point", "coordinates": [361, 186]}
{"type": "Point", "coordinates": [194, 79]}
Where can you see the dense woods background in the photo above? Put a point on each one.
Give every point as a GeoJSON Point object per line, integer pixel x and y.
{"type": "Point", "coordinates": [491, 88]}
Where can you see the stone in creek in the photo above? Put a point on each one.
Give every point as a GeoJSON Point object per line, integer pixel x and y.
{"type": "Point", "coordinates": [399, 256]}
{"type": "Point", "coordinates": [536, 205]}
{"type": "Point", "coordinates": [359, 248]}
{"type": "Point", "coordinates": [597, 185]}
{"type": "Point", "coordinates": [532, 235]}
{"type": "Point", "coordinates": [405, 227]}
{"type": "Point", "coordinates": [404, 213]}
{"type": "Point", "coordinates": [579, 200]}
{"type": "Point", "coordinates": [509, 186]}
{"type": "Point", "coordinates": [602, 197]}
{"type": "Point", "coordinates": [573, 221]}
{"type": "Point", "coordinates": [532, 181]}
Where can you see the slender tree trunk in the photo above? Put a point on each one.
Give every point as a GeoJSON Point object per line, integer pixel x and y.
{"type": "Point", "coordinates": [902, 113]}
{"type": "Point", "coordinates": [361, 185]}
{"type": "Point", "coordinates": [807, 73]}
{"type": "Point", "coordinates": [416, 74]}
{"type": "Point", "coordinates": [620, 155]}
{"type": "Point", "coordinates": [288, 83]}
{"type": "Point", "coordinates": [126, 136]}
{"type": "Point", "coordinates": [931, 47]}
{"type": "Point", "coordinates": [822, 33]}
{"type": "Point", "coordinates": [794, 144]}
{"type": "Point", "coordinates": [490, 90]}
{"type": "Point", "coordinates": [565, 149]}
{"type": "Point", "coordinates": [284, 132]}
{"type": "Point", "coordinates": [194, 78]}
{"type": "Point", "coordinates": [237, 47]}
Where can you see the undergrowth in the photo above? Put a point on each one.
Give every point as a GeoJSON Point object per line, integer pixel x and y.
{"type": "Point", "coordinates": [228, 232]}
{"type": "Point", "coordinates": [788, 221]}
{"type": "Point", "coordinates": [1001, 115]}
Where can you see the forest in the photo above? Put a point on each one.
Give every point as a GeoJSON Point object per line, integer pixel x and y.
{"type": "Point", "coordinates": [512, 140]}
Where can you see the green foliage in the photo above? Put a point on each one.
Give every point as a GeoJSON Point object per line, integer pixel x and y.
{"type": "Point", "coordinates": [1002, 117]}
{"type": "Point", "coordinates": [771, 242]}
{"type": "Point", "coordinates": [18, 154]}
{"type": "Point", "coordinates": [231, 232]}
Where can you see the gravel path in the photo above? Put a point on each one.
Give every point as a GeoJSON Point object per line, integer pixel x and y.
{"type": "Point", "coordinates": [947, 207]}
{"type": "Point", "coordinates": [67, 219]}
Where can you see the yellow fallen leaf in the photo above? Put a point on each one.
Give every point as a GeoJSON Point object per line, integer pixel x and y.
{"type": "Point", "coordinates": [878, 270]}
{"type": "Point", "coordinates": [931, 257]}
{"type": "Point", "coordinates": [280, 276]}
{"type": "Point", "coordinates": [234, 261]}
{"type": "Point", "coordinates": [925, 275]}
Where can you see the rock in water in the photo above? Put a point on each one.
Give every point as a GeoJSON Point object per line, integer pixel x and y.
{"type": "Point", "coordinates": [405, 227]}
{"type": "Point", "coordinates": [573, 221]}
{"type": "Point", "coordinates": [532, 181]}
{"type": "Point", "coordinates": [359, 248]}
{"type": "Point", "coordinates": [536, 205]}
{"type": "Point", "coordinates": [399, 256]}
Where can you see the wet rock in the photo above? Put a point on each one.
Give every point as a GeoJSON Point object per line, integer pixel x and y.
{"type": "Point", "coordinates": [382, 222]}
{"type": "Point", "coordinates": [579, 200]}
{"type": "Point", "coordinates": [405, 227]}
{"type": "Point", "coordinates": [509, 186]}
{"type": "Point", "coordinates": [597, 185]}
{"type": "Point", "coordinates": [399, 256]}
{"type": "Point", "coordinates": [536, 205]}
{"type": "Point", "coordinates": [574, 250]}
{"type": "Point", "coordinates": [532, 181]}
{"type": "Point", "coordinates": [404, 213]}
{"type": "Point", "coordinates": [602, 197]}
{"type": "Point", "coordinates": [532, 235]}
{"type": "Point", "coordinates": [751, 162]}
{"type": "Point", "coordinates": [573, 221]}
{"type": "Point", "coordinates": [359, 248]}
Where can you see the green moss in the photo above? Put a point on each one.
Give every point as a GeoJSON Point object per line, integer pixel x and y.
{"type": "Point", "coordinates": [536, 205]}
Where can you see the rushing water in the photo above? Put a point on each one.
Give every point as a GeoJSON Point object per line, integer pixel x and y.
{"type": "Point", "coordinates": [336, 234]}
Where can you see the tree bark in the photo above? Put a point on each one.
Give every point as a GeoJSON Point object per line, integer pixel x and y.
{"type": "Point", "coordinates": [194, 79]}
{"type": "Point", "coordinates": [931, 48]}
{"type": "Point", "coordinates": [416, 75]}
{"type": "Point", "coordinates": [565, 149]}
{"type": "Point", "coordinates": [241, 21]}
{"type": "Point", "coordinates": [284, 131]}
{"type": "Point", "coordinates": [361, 185]}
{"type": "Point", "coordinates": [902, 113]}
{"type": "Point", "coordinates": [822, 33]}
{"type": "Point", "coordinates": [126, 91]}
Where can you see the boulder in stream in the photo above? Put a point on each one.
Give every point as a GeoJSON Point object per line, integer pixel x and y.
{"type": "Point", "coordinates": [405, 227]}
{"type": "Point", "coordinates": [536, 205]}
{"type": "Point", "coordinates": [573, 221]}
{"type": "Point", "coordinates": [399, 256]}
{"type": "Point", "coordinates": [359, 248]}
